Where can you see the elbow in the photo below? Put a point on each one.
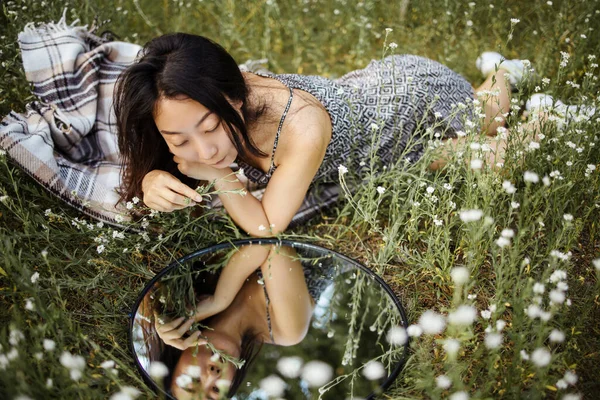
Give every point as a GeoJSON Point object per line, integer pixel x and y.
{"type": "Point", "coordinates": [264, 231]}
{"type": "Point", "coordinates": [293, 336]}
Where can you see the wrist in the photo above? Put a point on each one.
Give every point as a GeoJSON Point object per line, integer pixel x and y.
{"type": "Point", "coordinates": [225, 178]}
{"type": "Point", "coordinates": [221, 173]}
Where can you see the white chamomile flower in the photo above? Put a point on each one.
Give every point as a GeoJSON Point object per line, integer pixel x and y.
{"type": "Point", "coordinates": [317, 373]}
{"type": "Point", "coordinates": [493, 340]}
{"type": "Point", "coordinates": [571, 377]}
{"type": "Point", "coordinates": [49, 344]}
{"type": "Point", "coordinates": [290, 367]}
{"type": "Point", "coordinates": [374, 370]}
{"type": "Point", "coordinates": [541, 357]}
{"type": "Point", "coordinates": [443, 382]}
{"type": "Point", "coordinates": [502, 241]}
{"type": "Point", "coordinates": [556, 336]}
{"type": "Point", "coordinates": [183, 381]}
{"type": "Point", "coordinates": [507, 233]}
{"type": "Point", "coordinates": [414, 330]}
{"type": "Point", "coordinates": [431, 322]}
{"type": "Point", "coordinates": [463, 315]}
{"type": "Point", "coordinates": [451, 346]}
{"type": "Point", "coordinates": [470, 215]}
{"type": "Point", "coordinates": [532, 177]}
{"type": "Point", "coordinates": [460, 275]}
{"type": "Point", "coordinates": [476, 164]}
{"type": "Point", "coordinates": [462, 395]}
{"type": "Point", "coordinates": [508, 187]}
{"type": "Point", "coordinates": [108, 364]}
{"type": "Point", "coordinates": [29, 305]}
{"type": "Point", "coordinates": [397, 336]}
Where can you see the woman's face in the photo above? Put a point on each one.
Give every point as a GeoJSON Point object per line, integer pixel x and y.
{"type": "Point", "coordinates": [194, 133]}
{"type": "Point", "coordinates": [203, 371]}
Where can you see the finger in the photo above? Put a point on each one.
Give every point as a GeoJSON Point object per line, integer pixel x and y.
{"type": "Point", "coordinates": [171, 335]}
{"type": "Point", "coordinates": [185, 190]}
{"type": "Point", "coordinates": [155, 207]}
{"type": "Point", "coordinates": [193, 340]}
{"type": "Point", "coordinates": [178, 344]}
{"type": "Point", "coordinates": [166, 206]}
{"type": "Point", "coordinates": [177, 199]}
{"type": "Point", "coordinates": [177, 159]}
{"type": "Point", "coordinates": [171, 324]}
{"type": "Point", "coordinates": [185, 326]}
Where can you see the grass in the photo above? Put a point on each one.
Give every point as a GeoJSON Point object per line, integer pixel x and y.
{"type": "Point", "coordinates": [82, 298]}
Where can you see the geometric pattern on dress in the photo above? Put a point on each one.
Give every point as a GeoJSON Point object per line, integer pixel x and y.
{"type": "Point", "coordinates": [403, 95]}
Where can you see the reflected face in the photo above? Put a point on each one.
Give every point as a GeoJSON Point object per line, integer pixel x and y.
{"type": "Point", "coordinates": [198, 363]}
{"type": "Point", "coordinates": [194, 133]}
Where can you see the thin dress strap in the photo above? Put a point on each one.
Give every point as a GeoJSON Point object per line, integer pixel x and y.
{"type": "Point", "coordinates": [287, 108]}
{"type": "Point", "coordinates": [268, 316]}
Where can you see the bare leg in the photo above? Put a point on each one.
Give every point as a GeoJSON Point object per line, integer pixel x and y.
{"type": "Point", "coordinates": [495, 157]}
{"type": "Point", "coordinates": [494, 105]}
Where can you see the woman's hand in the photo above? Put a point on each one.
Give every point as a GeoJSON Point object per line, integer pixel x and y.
{"type": "Point", "coordinates": [164, 192]}
{"type": "Point", "coordinates": [172, 333]}
{"type": "Point", "coordinates": [199, 171]}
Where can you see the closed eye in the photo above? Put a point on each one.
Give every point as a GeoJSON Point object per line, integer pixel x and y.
{"type": "Point", "coordinates": [180, 144]}
{"type": "Point", "coordinates": [215, 128]}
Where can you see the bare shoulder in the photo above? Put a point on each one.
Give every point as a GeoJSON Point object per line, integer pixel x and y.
{"type": "Point", "coordinates": [308, 127]}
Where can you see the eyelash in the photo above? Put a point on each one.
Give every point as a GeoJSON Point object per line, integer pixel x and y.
{"type": "Point", "coordinates": [212, 130]}
{"type": "Point", "coordinates": [215, 128]}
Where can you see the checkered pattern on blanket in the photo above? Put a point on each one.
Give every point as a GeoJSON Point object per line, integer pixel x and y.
{"type": "Point", "coordinates": [67, 140]}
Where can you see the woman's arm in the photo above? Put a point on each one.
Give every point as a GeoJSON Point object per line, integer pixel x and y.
{"type": "Point", "coordinates": [238, 268]}
{"type": "Point", "coordinates": [290, 302]}
{"type": "Point", "coordinates": [284, 193]}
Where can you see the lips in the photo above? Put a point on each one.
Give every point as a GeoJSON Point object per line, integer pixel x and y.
{"type": "Point", "coordinates": [219, 162]}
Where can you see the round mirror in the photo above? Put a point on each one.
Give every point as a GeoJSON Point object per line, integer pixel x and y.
{"type": "Point", "coordinates": [268, 318]}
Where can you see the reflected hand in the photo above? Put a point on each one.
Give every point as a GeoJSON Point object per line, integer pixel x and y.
{"type": "Point", "coordinates": [172, 333]}
{"type": "Point", "coordinates": [198, 170]}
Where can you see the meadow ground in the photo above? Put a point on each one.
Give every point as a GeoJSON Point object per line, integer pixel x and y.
{"type": "Point", "coordinates": [521, 323]}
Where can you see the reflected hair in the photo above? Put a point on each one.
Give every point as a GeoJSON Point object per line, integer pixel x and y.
{"type": "Point", "coordinates": [173, 66]}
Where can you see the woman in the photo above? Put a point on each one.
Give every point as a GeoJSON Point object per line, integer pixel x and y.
{"type": "Point", "coordinates": [248, 308]}
{"type": "Point", "coordinates": [185, 112]}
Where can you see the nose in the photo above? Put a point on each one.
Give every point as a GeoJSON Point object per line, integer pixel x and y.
{"type": "Point", "coordinates": [205, 151]}
{"type": "Point", "coordinates": [210, 382]}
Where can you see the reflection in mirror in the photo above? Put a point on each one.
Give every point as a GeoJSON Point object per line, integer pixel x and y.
{"type": "Point", "coordinates": [259, 321]}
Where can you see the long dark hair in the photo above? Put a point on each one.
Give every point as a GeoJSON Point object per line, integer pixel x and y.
{"type": "Point", "coordinates": [170, 66]}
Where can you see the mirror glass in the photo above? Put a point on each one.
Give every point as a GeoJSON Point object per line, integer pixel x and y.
{"type": "Point", "coordinates": [267, 319]}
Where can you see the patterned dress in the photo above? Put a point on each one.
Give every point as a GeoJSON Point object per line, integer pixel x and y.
{"type": "Point", "coordinates": [389, 105]}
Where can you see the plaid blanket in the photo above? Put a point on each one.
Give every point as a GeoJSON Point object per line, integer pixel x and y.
{"type": "Point", "coordinates": [67, 140]}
